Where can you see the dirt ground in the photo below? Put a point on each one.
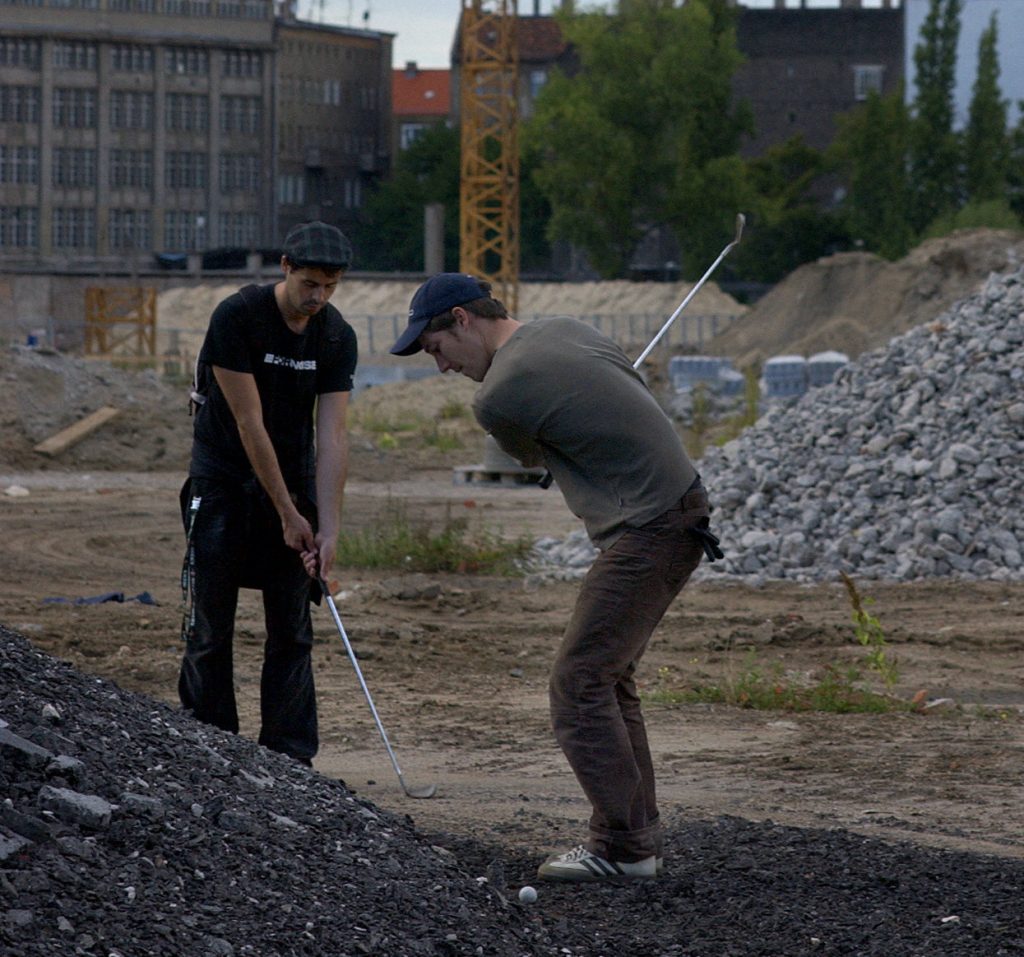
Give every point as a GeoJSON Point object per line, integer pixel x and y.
{"type": "Point", "coordinates": [457, 666]}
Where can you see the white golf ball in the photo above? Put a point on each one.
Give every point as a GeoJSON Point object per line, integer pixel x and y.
{"type": "Point", "coordinates": [527, 894]}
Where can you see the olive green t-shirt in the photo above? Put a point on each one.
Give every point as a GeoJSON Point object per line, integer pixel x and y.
{"type": "Point", "coordinates": [560, 393]}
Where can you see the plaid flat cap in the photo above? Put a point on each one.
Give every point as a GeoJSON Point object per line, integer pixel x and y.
{"type": "Point", "coordinates": [318, 244]}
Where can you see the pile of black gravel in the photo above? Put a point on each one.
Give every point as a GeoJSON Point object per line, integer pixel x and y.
{"type": "Point", "coordinates": [127, 829]}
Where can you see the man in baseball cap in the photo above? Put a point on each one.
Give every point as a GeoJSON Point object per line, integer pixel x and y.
{"type": "Point", "coordinates": [435, 297]}
{"type": "Point", "coordinates": [556, 392]}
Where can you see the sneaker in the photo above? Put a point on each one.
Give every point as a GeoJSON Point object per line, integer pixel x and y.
{"type": "Point", "coordinates": [579, 864]}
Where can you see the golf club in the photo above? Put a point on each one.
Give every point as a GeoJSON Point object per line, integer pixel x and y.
{"type": "Point", "coordinates": [741, 220]}
{"type": "Point", "coordinates": [423, 792]}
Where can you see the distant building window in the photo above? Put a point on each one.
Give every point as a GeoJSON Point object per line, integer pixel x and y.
{"type": "Point", "coordinates": [240, 114]}
{"type": "Point", "coordinates": [187, 112]}
{"type": "Point", "coordinates": [19, 165]}
{"type": "Point", "coordinates": [185, 170]}
{"type": "Point", "coordinates": [238, 229]}
{"type": "Point", "coordinates": [332, 92]}
{"type": "Point", "coordinates": [74, 108]}
{"type": "Point", "coordinates": [239, 173]}
{"type": "Point", "coordinates": [23, 53]}
{"type": "Point", "coordinates": [130, 110]}
{"type": "Point", "coordinates": [74, 228]}
{"type": "Point", "coordinates": [242, 63]}
{"type": "Point", "coordinates": [291, 189]}
{"type": "Point", "coordinates": [187, 61]}
{"type": "Point", "coordinates": [184, 229]}
{"type": "Point", "coordinates": [74, 56]}
{"type": "Point", "coordinates": [537, 80]}
{"type": "Point", "coordinates": [74, 167]}
{"type": "Point", "coordinates": [131, 58]}
{"type": "Point", "coordinates": [867, 80]}
{"type": "Point", "coordinates": [230, 8]}
{"type": "Point", "coordinates": [19, 104]}
{"type": "Point", "coordinates": [19, 227]}
{"type": "Point", "coordinates": [130, 229]}
{"type": "Point", "coordinates": [408, 133]}
{"type": "Point", "coordinates": [131, 168]}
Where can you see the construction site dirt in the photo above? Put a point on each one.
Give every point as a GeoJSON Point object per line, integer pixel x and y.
{"type": "Point", "coordinates": [457, 665]}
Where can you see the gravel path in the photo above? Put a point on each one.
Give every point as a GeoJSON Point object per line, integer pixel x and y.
{"type": "Point", "coordinates": [128, 829]}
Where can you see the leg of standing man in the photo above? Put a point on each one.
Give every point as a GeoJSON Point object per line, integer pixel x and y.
{"type": "Point", "coordinates": [595, 707]}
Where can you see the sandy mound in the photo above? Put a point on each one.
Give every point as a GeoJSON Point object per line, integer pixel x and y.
{"type": "Point", "coordinates": [853, 302]}
{"type": "Point", "coordinates": [183, 312]}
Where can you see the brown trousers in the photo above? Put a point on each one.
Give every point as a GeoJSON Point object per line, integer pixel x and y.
{"type": "Point", "coordinates": [595, 708]}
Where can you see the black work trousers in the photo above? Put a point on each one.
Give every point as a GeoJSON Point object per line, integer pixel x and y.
{"type": "Point", "coordinates": [235, 541]}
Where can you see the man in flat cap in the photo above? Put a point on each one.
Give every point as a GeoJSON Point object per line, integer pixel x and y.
{"type": "Point", "coordinates": [262, 504]}
{"type": "Point", "coordinates": [558, 393]}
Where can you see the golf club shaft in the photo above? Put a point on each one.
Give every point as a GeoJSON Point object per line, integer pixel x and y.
{"type": "Point", "coordinates": [359, 674]}
{"type": "Point", "coordinates": [547, 478]}
{"type": "Point", "coordinates": [740, 221]}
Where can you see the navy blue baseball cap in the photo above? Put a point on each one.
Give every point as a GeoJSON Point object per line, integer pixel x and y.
{"type": "Point", "coordinates": [438, 294]}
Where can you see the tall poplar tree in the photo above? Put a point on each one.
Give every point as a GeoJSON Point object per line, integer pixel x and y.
{"type": "Point", "coordinates": [935, 161]}
{"type": "Point", "coordinates": [986, 146]}
{"type": "Point", "coordinates": [871, 149]}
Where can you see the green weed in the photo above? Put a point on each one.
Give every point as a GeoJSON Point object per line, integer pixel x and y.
{"type": "Point", "coordinates": [833, 689]}
{"type": "Point", "coordinates": [868, 630]}
{"type": "Point", "coordinates": [399, 542]}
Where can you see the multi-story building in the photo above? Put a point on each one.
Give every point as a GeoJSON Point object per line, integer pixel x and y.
{"type": "Point", "coordinates": [805, 66]}
{"type": "Point", "coordinates": [129, 127]}
{"type": "Point", "coordinates": [333, 121]}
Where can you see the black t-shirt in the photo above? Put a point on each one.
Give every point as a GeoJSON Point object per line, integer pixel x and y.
{"type": "Point", "coordinates": [250, 335]}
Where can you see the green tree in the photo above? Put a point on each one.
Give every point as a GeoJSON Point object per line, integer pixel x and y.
{"type": "Point", "coordinates": [1015, 165]}
{"type": "Point", "coordinates": [986, 146]}
{"type": "Point", "coordinates": [788, 227]}
{"type": "Point", "coordinates": [935, 154]}
{"type": "Point", "coordinates": [645, 132]}
{"type": "Point", "coordinates": [390, 236]}
{"type": "Point", "coordinates": [871, 149]}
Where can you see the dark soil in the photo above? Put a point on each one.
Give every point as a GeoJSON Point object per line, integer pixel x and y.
{"type": "Point", "coordinates": [195, 842]}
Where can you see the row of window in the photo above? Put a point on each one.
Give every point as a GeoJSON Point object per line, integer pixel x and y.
{"type": "Point", "coordinates": [291, 191]}
{"type": "Point", "coordinates": [228, 9]}
{"type": "Point", "coordinates": [129, 58]}
{"type": "Point", "coordinates": [72, 167]}
{"type": "Point", "coordinates": [127, 229]}
{"type": "Point", "coordinates": [328, 92]}
{"type": "Point", "coordinates": [75, 108]}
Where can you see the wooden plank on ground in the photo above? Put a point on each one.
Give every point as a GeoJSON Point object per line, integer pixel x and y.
{"type": "Point", "coordinates": [73, 433]}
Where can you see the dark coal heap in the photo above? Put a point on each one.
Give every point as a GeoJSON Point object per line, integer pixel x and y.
{"type": "Point", "coordinates": [128, 829]}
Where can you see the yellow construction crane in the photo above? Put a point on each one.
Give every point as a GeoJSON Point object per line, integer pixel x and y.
{"type": "Point", "coordinates": [489, 187]}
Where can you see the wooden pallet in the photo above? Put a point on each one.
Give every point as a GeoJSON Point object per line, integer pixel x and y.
{"type": "Point", "coordinates": [485, 475]}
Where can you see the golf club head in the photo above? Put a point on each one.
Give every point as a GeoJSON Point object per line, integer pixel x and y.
{"type": "Point", "coordinates": [427, 791]}
{"type": "Point", "coordinates": [741, 221]}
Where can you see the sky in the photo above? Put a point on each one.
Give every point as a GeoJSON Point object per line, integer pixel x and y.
{"type": "Point", "coordinates": [424, 31]}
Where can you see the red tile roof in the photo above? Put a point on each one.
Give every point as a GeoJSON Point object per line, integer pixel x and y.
{"type": "Point", "coordinates": [416, 92]}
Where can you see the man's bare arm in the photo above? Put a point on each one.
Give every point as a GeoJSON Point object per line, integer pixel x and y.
{"type": "Point", "coordinates": [331, 473]}
{"type": "Point", "coordinates": [243, 399]}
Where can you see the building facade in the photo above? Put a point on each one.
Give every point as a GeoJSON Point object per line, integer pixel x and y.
{"type": "Point", "coordinates": [333, 120]}
{"type": "Point", "coordinates": [134, 127]}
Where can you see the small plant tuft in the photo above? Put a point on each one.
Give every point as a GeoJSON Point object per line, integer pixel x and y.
{"type": "Point", "coordinates": [868, 630]}
{"type": "Point", "coordinates": [398, 542]}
